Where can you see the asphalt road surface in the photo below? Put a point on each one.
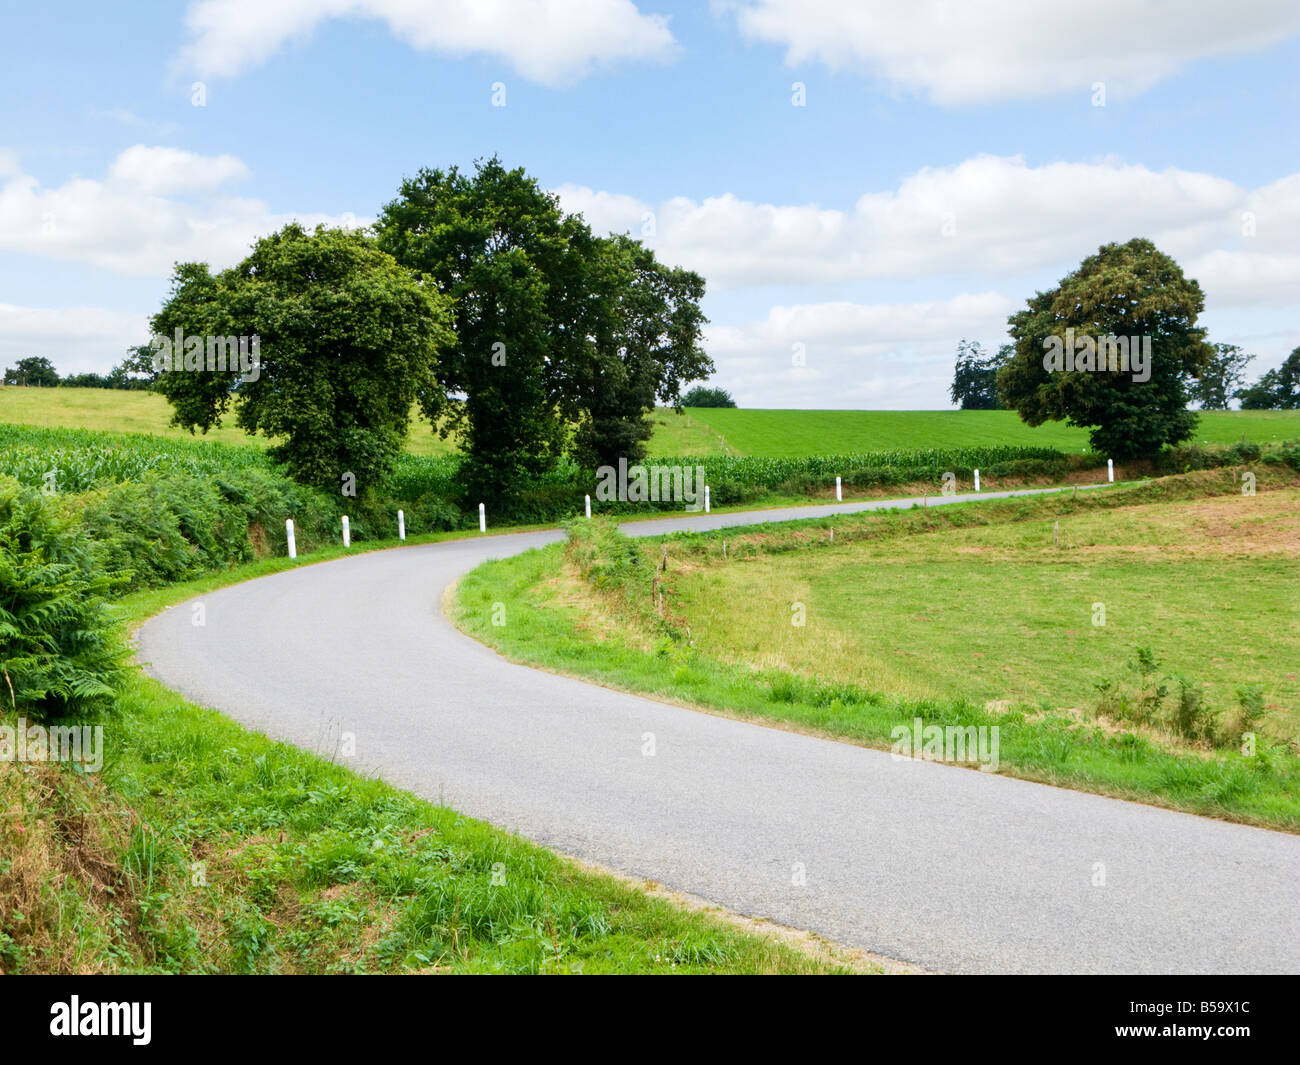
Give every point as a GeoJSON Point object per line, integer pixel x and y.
{"type": "Point", "coordinates": [945, 867]}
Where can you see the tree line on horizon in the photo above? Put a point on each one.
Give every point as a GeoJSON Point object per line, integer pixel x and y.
{"type": "Point", "coordinates": [512, 325]}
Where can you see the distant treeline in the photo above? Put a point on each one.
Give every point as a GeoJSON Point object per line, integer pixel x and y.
{"type": "Point", "coordinates": [35, 371]}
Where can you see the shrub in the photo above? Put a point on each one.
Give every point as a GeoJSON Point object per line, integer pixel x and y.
{"type": "Point", "coordinates": [699, 396]}
{"type": "Point", "coordinates": [603, 555]}
{"type": "Point", "coordinates": [1250, 709]}
{"type": "Point", "coordinates": [1287, 455]}
{"type": "Point", "coordinates": [169, 527]}
{"type": "Point", "coordinates": [1137, 697]}
{"type": "Point", "coordinates": [60, 652]}
{"type": "Point", "coordinates": [1193, 718]}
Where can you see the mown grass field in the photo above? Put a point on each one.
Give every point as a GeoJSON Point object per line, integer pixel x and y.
{"type": "Point", "coordinates": [782, 433]}
{"type": "Point", "coordinates": [699, 432]}
{"type": "Point", "coordinates": [999, 613]}
{"type": "Point", "coordinates": [205, 848]}
{"type": "Point", "coordinates": [963, 614]}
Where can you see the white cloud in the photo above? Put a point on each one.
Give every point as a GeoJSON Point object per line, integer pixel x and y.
{"type": "Point", "coordinates": [165, 171]}
{"type": "Point", "coordinates": [546, 41]}
{"type": "Point", "coordinates": [988, 216]}
{"type": "Point", "coordinates": [981, 50]}
{"type": "Point", "coordinates": [157, 206]}
{"type": "Point", "coordinates": [843, 355]}
{"type": "Point", "coordinates": [129, 118]}
{"type": "Point", "coordinates": [1247, 278]}
{"type": "Point", "coordinates": [75, 339]}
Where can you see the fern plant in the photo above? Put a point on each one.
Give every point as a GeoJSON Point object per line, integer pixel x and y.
{"type": "Point", "coordinates": [60, 651]}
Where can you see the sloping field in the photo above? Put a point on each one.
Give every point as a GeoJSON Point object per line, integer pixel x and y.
{"type": "Point", "coordinates": [699, 431]}
{"type": "Point", "coordinates": [784, 433]}
{"type": "Point", "coordinates": [116, 410]}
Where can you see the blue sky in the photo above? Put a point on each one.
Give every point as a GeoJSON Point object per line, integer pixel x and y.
{"type": "Point", "coordinates": [948, 160]}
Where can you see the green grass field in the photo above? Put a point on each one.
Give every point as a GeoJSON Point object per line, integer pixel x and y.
{"type": "Point", "coordinates": [965, 614]}
{"type": "Point", "coordinates": [123, 411]}
{"type": "Point", "coordinates": [1000, 613]}
{"type": "Point", "coordinates": [784, 433]}
{"type": "Point", "coordinates": [146, 412]}
{"type": "Point", "coordinates": [699, 432]}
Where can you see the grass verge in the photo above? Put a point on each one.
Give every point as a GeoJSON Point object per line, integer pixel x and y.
{"type": "Point", "coordinates": [201, 847]}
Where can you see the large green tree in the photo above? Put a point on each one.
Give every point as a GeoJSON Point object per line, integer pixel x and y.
{"type": "Point", "coordinates": [642, 330]}
{"type": "Point", "coordinates": [1277, 390]}
{"type": "Point", "coordinates": [558, 330]}
{"type": "Point", "coordinates": [497, 245]}
{"type": "Point", "coordinates": [348, 339]}
{"type": "Point", "coordinates": [1125, 290]}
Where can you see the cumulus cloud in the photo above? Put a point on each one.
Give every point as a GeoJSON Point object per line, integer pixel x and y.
{"type": "Point", "coordinates": [845, 355]}
{"type": "Point", "coordinates": [988, 216]}
{"type": "Point", "coordinates": [165, 171]}
{"type": "Point", "coordinates": [75, 339]}
{"type": "Point", "coordinates": [985, 50]}
{"type": "Point", "coordinates": [157, 206]}
{"type": "Point", "coordinates": [547, 41]}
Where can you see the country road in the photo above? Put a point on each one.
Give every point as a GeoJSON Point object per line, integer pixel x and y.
{"type": "Point", "coordinates": [947, 868]}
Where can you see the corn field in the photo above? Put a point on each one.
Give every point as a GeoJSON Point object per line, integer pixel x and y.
{"type": "Point", "coordinates": [82, 459]}
{"type": "Point", "coordinates": [755, 473]}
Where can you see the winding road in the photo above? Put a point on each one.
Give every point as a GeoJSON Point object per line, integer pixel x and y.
{"type": "Point", "coordinates": [947, 868]}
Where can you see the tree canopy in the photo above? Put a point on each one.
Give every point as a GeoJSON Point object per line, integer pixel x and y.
{"type": "Point", "coordinates": [699, 396]}
{"type": "Point", "coordinates": [1277, 390]}
{"type": "Point", "coordinates": [347, 339]}
{"type": "Point", "coordinates": [1131, 291]}
{"type": "Point", "coordinates": [974, 380]}
{"type": "Point", "coordinates": [1224, 373]}
{"type": "Point", "coordinates": [34, 371]}
{"type": "Point", "coordinates": [644, 329]}
{"type": "Point", "coordinates": [556, 327]}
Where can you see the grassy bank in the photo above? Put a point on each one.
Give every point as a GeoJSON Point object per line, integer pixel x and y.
{"type": "Point", "coordinates": [965, 615]}
{"type": "Point", "coordinates": [200, 847]}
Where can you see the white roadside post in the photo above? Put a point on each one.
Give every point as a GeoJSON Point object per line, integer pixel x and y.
{"type": "Point", "coordinates": [839, 495]}
{"type": "Point", "coordinates": [588, 504]}
{"type": "Point", "coordinates": [1110, 470]}
{"type": "Point", "coordinates": [977, 480]}
{"type": "Point", "coordinates": [706, 499]}
{"type": "Point", "coordinates": [482, 518]}
{"type": "Point", "coordinates": [347, 533]}
{"type": "Point", "coordinates": [401, 525]}
{"type": "Point", "coordinates": [288, 535]}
